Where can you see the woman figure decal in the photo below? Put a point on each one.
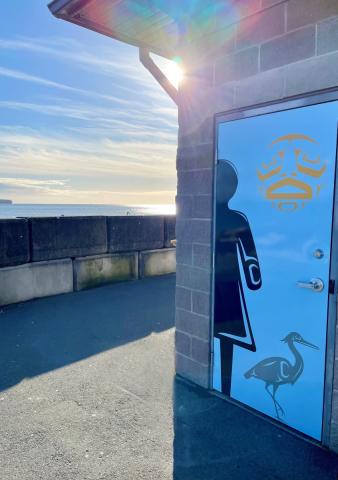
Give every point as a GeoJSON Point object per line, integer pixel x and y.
{"type": "Point", "coordinates": [234, 245]}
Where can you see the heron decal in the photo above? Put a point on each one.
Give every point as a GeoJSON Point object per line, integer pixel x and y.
{"type": "Point", "coordinates": [277, 371]}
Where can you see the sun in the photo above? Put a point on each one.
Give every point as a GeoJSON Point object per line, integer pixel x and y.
{"type": "Point", "coordinates": [171, 69]}
{"type": "Point", "coordinates": [173, 72]}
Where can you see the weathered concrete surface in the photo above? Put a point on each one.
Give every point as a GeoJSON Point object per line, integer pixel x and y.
{"type": "Point", "coordinates": [157, 262]}
{"type": "Point", "coordinates": [135, 233]}
{"type": "Point", "coordinates": [14, 242]}
{"type": "Point", "coordinates": [61, 237]}
{"type": "Point", "coordinates": [87, 392]}
{"type": "Point", "coordinates": [100, 269]}
{"type": "Point", "coordinates": [35, 280]}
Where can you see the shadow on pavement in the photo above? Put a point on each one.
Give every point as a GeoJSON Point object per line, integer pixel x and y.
{"type": "Point", "coordinates": [49, 333]}
{"type": "Point", "coordinates": [216, 440]}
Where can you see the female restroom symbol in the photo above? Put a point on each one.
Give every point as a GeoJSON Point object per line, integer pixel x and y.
{"type": "Point", "coordinates": [234, 250]}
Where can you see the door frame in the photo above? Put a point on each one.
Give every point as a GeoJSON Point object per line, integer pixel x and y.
{"type": "Point", "coordinates": [290, 103]}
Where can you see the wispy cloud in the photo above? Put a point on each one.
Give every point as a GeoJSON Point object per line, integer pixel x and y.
{"type": "Point", "coordinates": [96, 146]}
{"type": "Point", "coordinates": [67, 49]}
{"type": "Point", "coordinates": [54, 191]}
{"type": "Point", "coordinates": [31, 186]}
{"type": "Point", "coordinates": [19, 75]}
{"type": "Point", "coordinates": [102, 117]}
{"type": "Point", "coordinates": [25, 150]}
{"type": "Point", "coordinates": [30, 182]}
{"type": "Point", "coordinates": [99, 62]}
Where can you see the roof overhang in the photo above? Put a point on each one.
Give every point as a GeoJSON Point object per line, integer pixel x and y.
{"type": "Point", "coordinates": [190, 29]}
{"type": "Point", "coordinates": [148, 24]}
{"type": "Point", "coordinates": [164, 27]}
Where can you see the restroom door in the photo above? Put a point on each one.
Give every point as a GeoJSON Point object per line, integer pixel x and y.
{"type": "Point", "coordinates": [275, 178]}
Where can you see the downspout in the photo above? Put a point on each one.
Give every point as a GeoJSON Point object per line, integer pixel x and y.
{"type": "Point", "coordinates": [157, 73]}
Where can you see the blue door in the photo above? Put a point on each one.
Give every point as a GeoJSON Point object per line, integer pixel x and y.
{"type": "Point", "coordinates": [273, 225]}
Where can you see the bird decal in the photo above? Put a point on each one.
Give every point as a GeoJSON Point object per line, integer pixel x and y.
{"type": "Point", "coordinates": [277, 371]}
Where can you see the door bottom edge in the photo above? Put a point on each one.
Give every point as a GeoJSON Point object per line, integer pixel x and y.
{"type": "Point", "coordinates": [267, 418]}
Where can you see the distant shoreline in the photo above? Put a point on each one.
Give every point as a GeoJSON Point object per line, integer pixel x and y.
{"type": "Point", "coordinates": [25, 210]}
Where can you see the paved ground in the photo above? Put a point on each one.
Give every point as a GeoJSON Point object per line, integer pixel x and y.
{"type": "Point", "coordinates": [87, 392]}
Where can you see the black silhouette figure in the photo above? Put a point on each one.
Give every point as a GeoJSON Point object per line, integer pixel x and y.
{"type": "Point", "coordinates": [234, 244]}
{"type": "Point", "coordinates": [277, 371]}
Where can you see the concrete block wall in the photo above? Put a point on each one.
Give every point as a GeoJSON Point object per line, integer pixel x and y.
{"type": "Point", "coordinates": [276, 50]}
{"type": "Point", "coordinates": [100, 269]}
{"type": "Point", "coordinates": [14, 242]}
{"type": "Point", "coordinates": [157, 262]}
{"type": "Point", "coordinates": [49, 256]}
{"type": "Point", "coordinates": [35, 280]}
{"type": "Point", "coordinates": [135, 233]}
{"type": "Point", "coordinates": [51, 238]}
{"type": "Point", "coordinates": [61, 237]}
{"type": "Point", "coordinates": [169, 230]}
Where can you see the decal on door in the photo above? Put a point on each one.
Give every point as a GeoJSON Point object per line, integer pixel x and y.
{"type": "Point", "coordinates": [271, 267]}
{"type": "Point", "coordinates": [280, 177]}
{"type": "Point", "coordinates": [277, 371]}
{"type": "Point", "coordinates": [235, 251]}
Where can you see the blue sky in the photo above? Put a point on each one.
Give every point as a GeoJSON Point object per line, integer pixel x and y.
{"type": "Point", "coordinates": [81, 121]}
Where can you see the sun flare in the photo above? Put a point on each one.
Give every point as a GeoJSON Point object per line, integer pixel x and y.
{"type": "Point", "coordinates": [174, 73]}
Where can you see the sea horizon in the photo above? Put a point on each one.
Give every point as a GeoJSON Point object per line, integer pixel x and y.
{"type": "Point", "coordinates": [19, 210]}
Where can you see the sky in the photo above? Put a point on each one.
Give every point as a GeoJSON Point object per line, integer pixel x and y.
{"type": "Point", "coordinates": [81, 120]}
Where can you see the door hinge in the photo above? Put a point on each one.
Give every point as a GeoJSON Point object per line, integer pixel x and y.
{"type": "Point", "coordinates": [331, 286]}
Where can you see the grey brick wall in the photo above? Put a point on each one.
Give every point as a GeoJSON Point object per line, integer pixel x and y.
{"type": "Point", "coordinates": [279, 49]}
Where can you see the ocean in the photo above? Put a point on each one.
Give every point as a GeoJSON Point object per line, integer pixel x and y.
{"type": "Point", "coordinates": [73, 210]}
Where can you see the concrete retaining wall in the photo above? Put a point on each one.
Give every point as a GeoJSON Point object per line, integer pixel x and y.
{"type": "Point", "coordinates": [35, 280]}
{"type": "Point", "coordinates": [14, 242]}
{"type": "Point", "coordinates": [169, 230]}
{"type": "Point", "coordinates": [135, 233]}
{"type": "Point", "coordinates": [63, 237]}
{"type": "Point", "coordinates": [51, 238]}
{"type": "Point", "coordinates": [93, 271]}
{"type": "Point", "coordinates": [157, 262]}
{"type": "Point", "coordinates": [49, 256]}
{"type": "Point", "coordinates": [53, 277]}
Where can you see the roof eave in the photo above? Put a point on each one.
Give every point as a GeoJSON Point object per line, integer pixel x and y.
{"type": "Point", "coordinates": [58, 9]}
{"type": "Point", "coordinates": [55, 6]}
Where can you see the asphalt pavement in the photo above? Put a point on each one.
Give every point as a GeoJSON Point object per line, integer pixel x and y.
{"type": "Point", "coordinates": [88, 392]}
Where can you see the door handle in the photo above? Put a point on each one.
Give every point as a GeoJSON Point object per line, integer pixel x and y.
{"type": "Point", "coordinates": [315, 284]}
